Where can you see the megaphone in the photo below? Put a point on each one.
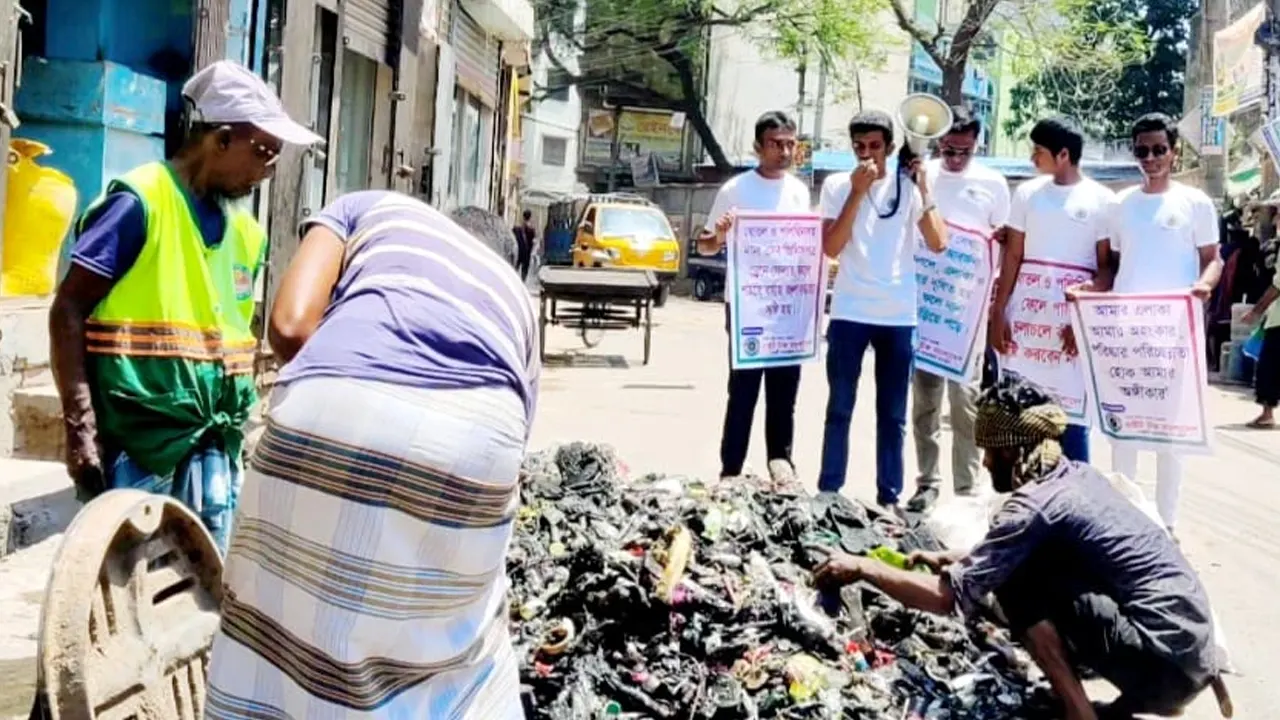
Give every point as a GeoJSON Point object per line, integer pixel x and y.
{"type": "Point", "coordinates": [923, 118]}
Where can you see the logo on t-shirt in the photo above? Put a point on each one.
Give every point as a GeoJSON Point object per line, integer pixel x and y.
{"type": "Point", "coordinates": [1172, 221]}
{"type": "Point", "coordinates": [1079, 214]}
{"type": "Point", "coordinates": [243, 282]}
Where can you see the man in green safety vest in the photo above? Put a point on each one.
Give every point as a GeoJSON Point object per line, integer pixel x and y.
{"type": "Point", "coordinates": [151, 342]}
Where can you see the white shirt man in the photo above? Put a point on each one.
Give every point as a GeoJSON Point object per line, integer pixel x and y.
{"type": "Point", "coordinates": [870, 219]}
{"type": "Point", "coordinates": [1055, 227]}
{"type": "Point", "coordinates": [1166, 236]}
{"type": "Point", "coordinates": [976, 198]}
{"type": "Point", "coordinates": [768, 188]}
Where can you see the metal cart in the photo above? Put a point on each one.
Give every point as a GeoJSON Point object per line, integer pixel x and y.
{"type": "Point", "coordinates": [592, 300]}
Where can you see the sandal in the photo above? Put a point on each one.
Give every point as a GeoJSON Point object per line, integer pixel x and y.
{"type": "Point", "coordinates": [1257, 424]}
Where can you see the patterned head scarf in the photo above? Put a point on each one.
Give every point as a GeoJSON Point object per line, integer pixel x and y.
{"type": "Point", "coordinates": [1014, 414]}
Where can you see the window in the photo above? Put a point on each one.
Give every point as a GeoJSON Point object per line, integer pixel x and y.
{"type": "Point", "coordinates": [558, 84]}
{"type": "Point", "coordinates": [355, 123]}
{"type": "Point", "coordinates": [640, 223]}
{"type": "Point", "coordinates": [468, 184]}
{"type": "Point", "coordinates": [554, 150]}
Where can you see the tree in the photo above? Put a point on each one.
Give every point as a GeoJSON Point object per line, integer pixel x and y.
{"type": "Point", "coordinates": [1147, 73]}
{"type": "Point", "coordinates": [653, 52]}
{"type": "Point", "coordinates": [988, 26]}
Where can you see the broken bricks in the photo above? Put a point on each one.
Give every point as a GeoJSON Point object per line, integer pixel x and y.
{"type": "Point", "coordinates": [664, 597]}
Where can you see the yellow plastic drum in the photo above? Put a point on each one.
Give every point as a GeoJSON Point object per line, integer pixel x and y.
{"type": "Point", "coordinates": [39, 209]}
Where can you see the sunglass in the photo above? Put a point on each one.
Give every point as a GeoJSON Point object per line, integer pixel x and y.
{"type": "Point", "coordinates": [268, 156]}
{"type": "Point", "coordinates": [955, 152]}
{"type": "Point", "coordinates": [1142, 151]}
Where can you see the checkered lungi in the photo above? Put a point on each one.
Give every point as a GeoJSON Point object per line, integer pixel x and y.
{"type": "Point", "coordinates": [366, 574]}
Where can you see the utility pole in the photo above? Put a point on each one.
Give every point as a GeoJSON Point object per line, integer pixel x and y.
{"type": "Point", "coordinates": [822, 103]}
{"type": "Point", "coordinates": [1213, 18]}
{"type": "Point", "coordinates": [804, 61]}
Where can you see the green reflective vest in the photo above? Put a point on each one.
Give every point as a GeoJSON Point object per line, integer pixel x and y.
{"type": "Point", "coordinates": [171, 349]}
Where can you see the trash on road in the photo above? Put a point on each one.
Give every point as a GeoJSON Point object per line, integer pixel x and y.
{"type": "Point", "coordinates": [666, 597]}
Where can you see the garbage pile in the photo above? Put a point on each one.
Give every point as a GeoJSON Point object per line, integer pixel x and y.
{"type": "Point", "coordinates": [664, 597]}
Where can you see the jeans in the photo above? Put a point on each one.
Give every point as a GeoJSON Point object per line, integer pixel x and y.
{"type": "Point", "coordinates": [847, 342]}
{"type": "Point", "coordinates": [781, 384]}
{"type": "Point", "coordinates": [1075, 443]}
{"type": "Point", "coordinates": [1124, 460]}
{"type": "Point", "coordinates": [927, 391]}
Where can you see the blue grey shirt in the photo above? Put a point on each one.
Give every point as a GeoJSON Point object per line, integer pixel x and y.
{"type": "Point", "coordinates": [1099, 536]}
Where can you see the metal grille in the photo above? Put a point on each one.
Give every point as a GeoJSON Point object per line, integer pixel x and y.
{"type": "Point", "coordinates": [477, 57]}
{"type": "Point", "coordinates": [367, 22]}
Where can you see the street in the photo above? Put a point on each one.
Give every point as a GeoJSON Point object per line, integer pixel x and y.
{"type": "Point", "coordinates": [666, 418]}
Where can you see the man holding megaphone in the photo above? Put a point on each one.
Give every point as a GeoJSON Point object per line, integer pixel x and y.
{"type": "Point", "coordinates": [870, 217]}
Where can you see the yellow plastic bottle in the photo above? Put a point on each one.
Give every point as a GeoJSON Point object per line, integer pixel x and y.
{"type": "Point", "coordinates": [40, 206]}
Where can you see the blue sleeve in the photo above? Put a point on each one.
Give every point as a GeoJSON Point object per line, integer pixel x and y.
{"type": "Point", "coordinates": [1016, 531]}
{"type": "Point", "coordinates": [113, 236]}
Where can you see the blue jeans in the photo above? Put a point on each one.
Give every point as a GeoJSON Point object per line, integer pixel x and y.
{"type": "Point", "coordinates": [1075, 443]}
{"type": "Point", "coordinates": [847, 342]}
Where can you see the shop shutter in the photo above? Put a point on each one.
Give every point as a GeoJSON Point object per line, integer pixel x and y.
{"type": "Point", "coordinates": [477, 58]}
{"type": "Point", "coordinates": [367, 23]}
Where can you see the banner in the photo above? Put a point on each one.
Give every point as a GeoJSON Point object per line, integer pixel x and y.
{"type": "Point", "coordinates": [639, 133]}
{"type": "Point", "coordinates": [777, 282]}
{"type": "Point", "coordinates": [1239, 66]}
{"type": "Point", "coordinates": [952, 290]}
{"type": "Point", "coordinates": [1145, 357]}
{"type": "Point", "coordinates": [1038, 312]}
{"type": "Point", "coordinates": [1213, 130]}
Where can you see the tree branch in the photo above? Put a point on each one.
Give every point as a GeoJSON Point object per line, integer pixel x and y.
{"type": "Point", "coordinates": [930, 43]}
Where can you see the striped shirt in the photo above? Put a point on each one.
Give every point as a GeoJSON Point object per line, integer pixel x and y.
{"type": "Point", "coordinates": [420, 302]}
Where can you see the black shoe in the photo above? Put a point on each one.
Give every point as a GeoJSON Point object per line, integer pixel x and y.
{"type": "Point", "coordinates": [923, 501]}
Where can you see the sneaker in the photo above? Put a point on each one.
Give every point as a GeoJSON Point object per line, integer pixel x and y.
{"type": "Point", "coordinates": [894, 510]}
{"type": "Point", "coordinates": [782, 472]}
{"type": "Point", "coordinates": [924, 500]}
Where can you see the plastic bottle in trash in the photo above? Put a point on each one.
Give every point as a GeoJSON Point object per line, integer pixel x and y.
{"type": "Point", "coordinates": [40, 205]}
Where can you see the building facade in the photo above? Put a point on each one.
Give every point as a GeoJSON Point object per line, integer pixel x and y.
{"type": "Point", "coordinates": [980, 88]}
{"type": "Point", "coordinates": [552, 121]}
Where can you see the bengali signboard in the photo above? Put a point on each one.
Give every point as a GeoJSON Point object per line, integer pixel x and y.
{"type": "Point", "coordinates": [1239, 65]}
{"type": "Point", "coordinates": [952, 290]}
{"type": "Point", "coordinates": [1144, 355]}
{"type": "Point", "coordinates": [1038, 313]}
{"type": "Point", "coordinates": [639, 133]}
{"type": "Point", "coordinates": [777, 282]}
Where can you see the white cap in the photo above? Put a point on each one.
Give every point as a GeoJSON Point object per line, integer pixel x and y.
{"type": "Point", "coordinates": [227, 92]}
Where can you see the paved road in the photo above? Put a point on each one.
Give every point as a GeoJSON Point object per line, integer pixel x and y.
{"type": "Point", "coordinates": [666, 417]}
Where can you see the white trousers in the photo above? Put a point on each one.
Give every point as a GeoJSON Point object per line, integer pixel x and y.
{"type": "Point", "coordinates": [1124, 460]}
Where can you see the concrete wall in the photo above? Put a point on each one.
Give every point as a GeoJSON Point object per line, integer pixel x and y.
{"type": "Point", "coordinates": [745, 82]}
{"type": "Point", "coordinates": [554, 118]}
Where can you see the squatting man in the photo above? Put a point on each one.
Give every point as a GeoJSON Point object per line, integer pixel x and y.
{"type": "Point", "coordinates": [1081, 574]}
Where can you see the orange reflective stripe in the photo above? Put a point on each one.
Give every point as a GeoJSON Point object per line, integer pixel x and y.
{"type": "Point", "coordinates": [171, 341]}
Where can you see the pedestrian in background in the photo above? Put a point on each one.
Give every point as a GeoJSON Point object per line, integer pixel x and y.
{"type": "Point", "coordinates": [526, 239]}
{"type": "Point", "coordinates": [1164, 237]}
{"type": "Point", "coordinates": [870, 220]}
{"type": "Point", "coordinates": [976, 198]}
{"type": "Point", "coordinates": [1057, 219]}
{"type": "Point", "coordinates": [381, 500]}
{"type": "Point", "coordinates": [769, 187]}
{"type": "Point", "coordinates": [1266, 378]}
{"type": "Point", "coordinates": [152, 348]}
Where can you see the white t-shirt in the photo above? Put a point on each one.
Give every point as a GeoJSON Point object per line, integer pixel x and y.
{"type": "Point", "coordinates": [876, 282]}
{"type": "Point", "coordinates": [976, 199]}
{"type": "Point", "coordinates": [1062, 223]}
{"type": "Point", "coordinates": [752, 191]}
{"type": "Point", "coordinates": [1159, 237]}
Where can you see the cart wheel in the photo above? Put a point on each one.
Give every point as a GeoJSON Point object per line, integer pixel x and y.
{"type": "Point", "coordinates": [591, 336]}
{"type": "Point", "coordinates": [648, 331]}
{"type": "Point", "coordinates": [661, 294]}
{"type": "Point", "coordinates": [702, 288]}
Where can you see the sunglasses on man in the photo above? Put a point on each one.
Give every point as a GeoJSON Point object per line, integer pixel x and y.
{"type": "Point", "coordinates": [956, 152]}
{"type": "Point", "coordinates": [1141, 152]}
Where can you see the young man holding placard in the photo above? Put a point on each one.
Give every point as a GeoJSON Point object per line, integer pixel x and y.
{"type": "Point", "coordinates": [1056, 239]}
{"type": "Point", "coordinates": [870, 218]}
{"type": "Point", "coordinates": [1165, 239]}
{"type": "Point", "coordinates": [975, 199]}
{"type": "Point", "coordinates": [770, 188]}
